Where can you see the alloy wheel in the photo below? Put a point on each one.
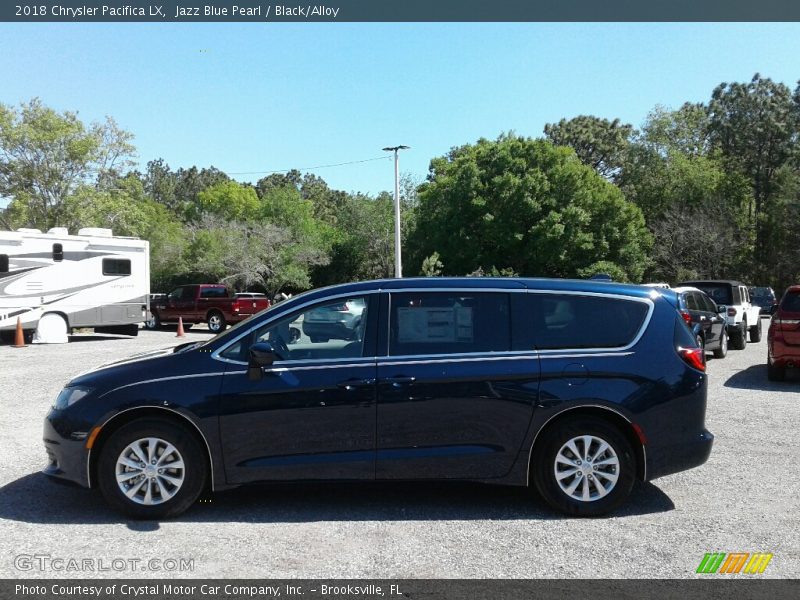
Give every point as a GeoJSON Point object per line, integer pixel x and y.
{"type": "Point", "coordinates": [586, 468]}
{"type": "Point", "coordinates": [150, 471]}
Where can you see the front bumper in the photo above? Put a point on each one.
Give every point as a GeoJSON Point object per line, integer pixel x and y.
{"type": "Point", "coordinates": [666, 460]}
{"type": "Point", "coordinates": [67, 458]}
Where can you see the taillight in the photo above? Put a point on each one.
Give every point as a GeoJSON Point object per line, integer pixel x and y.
{"type": "Point", "coordinates": [235, 306]}
{"type": "Point", "coordinates": [694, 357]}
{"type": "Point", "coordinates": [731, 312]}
{"type": "Point", "coordinates": [686, 317]}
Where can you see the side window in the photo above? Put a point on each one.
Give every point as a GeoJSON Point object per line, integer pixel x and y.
{"type": "Point", "coordinates": [175, 294]}
{"type": "Point", "coordinates": [3, 263]}
{"type": "Point", "coordinates": [328, 330]}
{"type": "Point", "coordinates": [58, 252]}
{"type": "Point", "coordinates": [691, 302]}
{"type": "Point", "coordinates": [561, 321]}
{"type": "Point", "coordinates": [116, 266]}
{"type": "Point", "coordinates": [708, 303]}
{"type": "Point", "coordinates": [449, 323]}
{"type": "Point", "coordinates": [745, 294]}
{"type": "Point", "coordinates": [188, 293]}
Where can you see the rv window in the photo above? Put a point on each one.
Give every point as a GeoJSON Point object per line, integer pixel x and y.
{"type": "Point", "coordinates": [116, 266]}
{"type": "Point", "coordinates": [58, 252]}
{"type": "Point", "coordinates": [3, 263]}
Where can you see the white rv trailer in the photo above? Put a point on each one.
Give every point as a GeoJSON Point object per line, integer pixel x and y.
{"type": "Point", "coordinates": [55, 282]}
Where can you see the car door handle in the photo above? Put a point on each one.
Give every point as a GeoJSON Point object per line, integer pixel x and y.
{"type": "Point", "coordinates": [399, 381]}
{"type": "Point", "coordinates": [352, 384]}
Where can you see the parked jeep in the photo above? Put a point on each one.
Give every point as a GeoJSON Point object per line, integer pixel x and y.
{"type": "Point", "coordinates": [733, 300]}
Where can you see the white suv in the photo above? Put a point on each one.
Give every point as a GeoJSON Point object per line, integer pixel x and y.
{"type": "Point", "coordinates": [733, 301]}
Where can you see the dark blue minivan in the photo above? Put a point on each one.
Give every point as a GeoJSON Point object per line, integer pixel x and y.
{"type": "Point", "coordinates": [574, 388]}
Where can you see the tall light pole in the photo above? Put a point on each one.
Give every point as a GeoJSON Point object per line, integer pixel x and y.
{"type": "Point", "coordinates": [398, 264]}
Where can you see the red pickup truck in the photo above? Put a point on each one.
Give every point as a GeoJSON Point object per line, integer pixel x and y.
{"type": "Point", "coordinates": [213, 304]}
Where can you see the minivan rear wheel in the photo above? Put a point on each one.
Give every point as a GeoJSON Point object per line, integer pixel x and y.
{"type": "Point", "coordinates": [584, 467]}
{"type": "Point", "coordinates": [151, 469]}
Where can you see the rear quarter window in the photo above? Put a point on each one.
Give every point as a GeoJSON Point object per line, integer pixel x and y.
{"type": "Point", "coordinates": [562, 321]}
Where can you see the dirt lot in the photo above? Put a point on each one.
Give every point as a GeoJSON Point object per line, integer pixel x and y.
{"type": "Point", "coordinates": [746, 499]}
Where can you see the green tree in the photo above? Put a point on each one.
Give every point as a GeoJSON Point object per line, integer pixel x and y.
{"type": "Point", "coordinates": [363, 247]}
{"type": "Point", "coordinates": [245, 255]}
{"type": "Point", "coordinates": [599, 143]}
{"type": "Point", "coordinates": [45, 156]}
{"type": "Point", "coordinates": [529, 206]}
{"type": "Point", "coordinates": [230, 200]}
{"type": "Point", "coordinates": [431, 266]}
{"type": "Point", "coordinates": [756, 127]}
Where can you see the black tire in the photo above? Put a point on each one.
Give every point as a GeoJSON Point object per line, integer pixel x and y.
{"type": "Point", "coordinates": [190, 449]}
{"type": "Point", "coordinates": [722, 349]}
{"type": "Point", "coordinates": [153, 323]}
{"type": "Point", "coordinates": [544, 461]}
{"type": "Point", "coordinates": [738, 339]}
{"type": "Point", "coordinates": [755, 332]}
{"type": "Point", "coordinates": [774, 372]}
{"type": "Point", "coordinates": [216, 321]}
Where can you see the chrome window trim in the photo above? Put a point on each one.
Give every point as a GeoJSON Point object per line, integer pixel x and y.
{"type": "Point", "coordinates": [561, 412]}
{"type": "Point", "coordinates": [547, 353]}
{"type": "Point", "coordinates": [385, 361]}
{"type": "Point", "coordinates": [642, 328]}
{"type": "Point", "coordinates": [172, 410]}
{"type": "Point", "coordinates": [568, 352]}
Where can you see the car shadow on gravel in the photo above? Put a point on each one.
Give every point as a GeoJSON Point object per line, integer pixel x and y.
{"type": "Point", "coordinates": [35, 499]}
{"type": "Point", "coordinates": [755, 378]}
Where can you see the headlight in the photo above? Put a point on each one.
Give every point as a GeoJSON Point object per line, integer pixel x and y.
{"type": "Point", "coordinates": [70, 395]}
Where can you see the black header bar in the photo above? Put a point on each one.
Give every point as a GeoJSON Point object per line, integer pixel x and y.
{"type": "Point", "coordinates": [399, 11]}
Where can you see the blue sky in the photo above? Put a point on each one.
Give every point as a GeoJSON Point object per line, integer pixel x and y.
{"type": "Point", "coordinates": [261, 97]}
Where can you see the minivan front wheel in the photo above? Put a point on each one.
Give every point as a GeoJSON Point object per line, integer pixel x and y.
{"type": "Point", "coordinates": [584, 467]}
{"type": "Point", "coordinates": [151, 469]}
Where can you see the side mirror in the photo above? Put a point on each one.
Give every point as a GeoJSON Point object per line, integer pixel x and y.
{"type": "Point", "coordinates": [262, 355]}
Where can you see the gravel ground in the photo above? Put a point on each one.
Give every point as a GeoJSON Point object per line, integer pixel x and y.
{"type": "Point", "coordinates": [746, 498]}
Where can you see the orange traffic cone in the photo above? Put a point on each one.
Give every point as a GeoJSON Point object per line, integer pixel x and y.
{"type": "Point", "coordinates": [19, 337]}
{"type": "Point", "coordinates": [181, 333]}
